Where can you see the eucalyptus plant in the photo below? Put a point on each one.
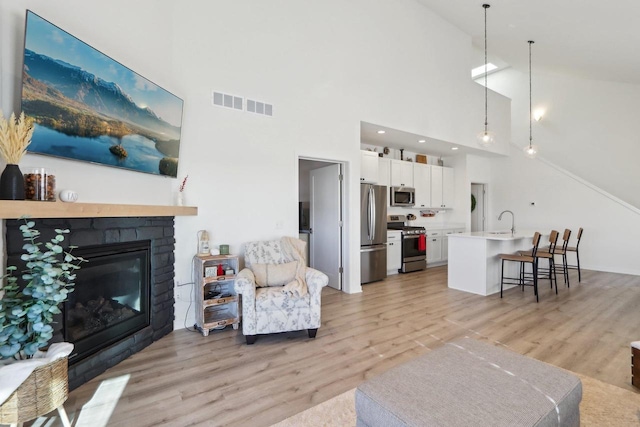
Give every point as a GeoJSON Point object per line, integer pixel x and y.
{"type": "Point", "coordinates": [26, 312]}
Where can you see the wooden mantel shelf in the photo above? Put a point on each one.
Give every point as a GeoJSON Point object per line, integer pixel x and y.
{"type": "Point", "coordinates": [14, 209]}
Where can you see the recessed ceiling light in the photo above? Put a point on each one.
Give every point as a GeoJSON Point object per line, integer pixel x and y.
{"type": "Point", "coordinates": [454, 148]}
{"type": "Point", "coordinates": [422, 141]}
{"type": "Point", "coordinates": [381, 132]}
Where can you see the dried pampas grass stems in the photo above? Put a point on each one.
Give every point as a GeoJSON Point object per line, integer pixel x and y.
{"type": "Point", "coordinates": [15, 136]}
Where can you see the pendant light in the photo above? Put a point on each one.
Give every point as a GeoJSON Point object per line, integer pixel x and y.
{"type": "Point", "coordinates": [486, 138]}
{"type": "Point", "coordinates": [530, 150]}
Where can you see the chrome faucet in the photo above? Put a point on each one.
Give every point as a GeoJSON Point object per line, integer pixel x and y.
{"type": "Point", "coordinates": [513, 221]}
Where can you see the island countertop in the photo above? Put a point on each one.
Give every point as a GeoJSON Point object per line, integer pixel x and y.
{"type": "Point", "coordinates": [474, 259]}
{"type": "Point", "coordinates": [496, 235]}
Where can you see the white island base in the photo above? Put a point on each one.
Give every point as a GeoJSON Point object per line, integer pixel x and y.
{"type": "Point", "coordinates": [474, 261]}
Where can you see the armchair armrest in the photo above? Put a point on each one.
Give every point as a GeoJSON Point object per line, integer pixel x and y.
{"type": "Point", "coordinates": [245, 282]}
{"type": "Point", "coordinates": [316, 280]}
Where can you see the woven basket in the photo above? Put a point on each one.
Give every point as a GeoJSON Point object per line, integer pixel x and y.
{"type": "Point", "coordinates": [43, 391]}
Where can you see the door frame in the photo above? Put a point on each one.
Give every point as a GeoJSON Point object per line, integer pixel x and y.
{"type": "Point", "coordinates": [484, 204]}
{"type": "Point", "coordinates": [343, 211]}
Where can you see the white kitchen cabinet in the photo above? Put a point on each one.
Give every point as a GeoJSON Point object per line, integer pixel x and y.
{"type": "Point", "coordinates": [436, 186]}
{"type": "Point", "coordinates": [442, 187]}
{"type": "Point", "coordinates": [448, 188]}
{"type": "Point", "coordinates": [401, 173]}
{"type": "Point", "coordinates": [422, 184]}
{"type": "Point", "coordinates": [394, 251]}
{"type": "Point", "coordinates": [369, 166]}
{"type": "Point", "coordinates": [434, 246]}
{"type": "Point", "coordinates": [384, 172]}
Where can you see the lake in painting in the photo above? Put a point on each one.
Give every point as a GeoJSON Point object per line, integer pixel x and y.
{"type": "Point", "coordinates": [142, 152]}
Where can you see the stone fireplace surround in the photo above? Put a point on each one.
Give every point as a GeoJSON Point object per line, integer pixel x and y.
{"type": "Point", "coordinates": [94, 231]}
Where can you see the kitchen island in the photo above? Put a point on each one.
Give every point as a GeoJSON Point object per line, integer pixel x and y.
{"type": "Point", "coordinates": [474, 261]}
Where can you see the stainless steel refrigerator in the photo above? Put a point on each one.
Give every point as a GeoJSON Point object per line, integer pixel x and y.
{"type": "Point", "coordinates": [373, 232]}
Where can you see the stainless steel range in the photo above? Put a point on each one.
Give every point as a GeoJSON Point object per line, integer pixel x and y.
{"type": "Point", "coordinates": [414, 243]}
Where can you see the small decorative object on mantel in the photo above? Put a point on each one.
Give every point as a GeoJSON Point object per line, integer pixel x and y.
{"type": "Point", "coordinates": [68, 196]}
{"type": "Point", "coordinates": [180, 198]}
{"type": "Point", "coordinates": [40, 184]}
{"type": "Point", "coordinates": [15, 136]}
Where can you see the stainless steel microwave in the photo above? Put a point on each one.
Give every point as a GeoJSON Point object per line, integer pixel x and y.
{"type": "Point", "coordinates": [402, 196]}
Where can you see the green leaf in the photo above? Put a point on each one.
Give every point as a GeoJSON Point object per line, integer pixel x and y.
{"type": "Point", "coordinates": [7, 351]}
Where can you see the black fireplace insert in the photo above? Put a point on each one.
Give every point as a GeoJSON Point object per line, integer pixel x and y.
{"type": "Point", "coordinates": [111, 297]}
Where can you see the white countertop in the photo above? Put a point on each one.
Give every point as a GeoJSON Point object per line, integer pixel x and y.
{"type": "Point", "coordinates": [454, 226]}
{"type": "Point", "coordinates": [496, 235]}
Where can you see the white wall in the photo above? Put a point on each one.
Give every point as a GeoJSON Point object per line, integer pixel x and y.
{"type": "Point", "coordinates": [611, 239]}
{"type": "Point", "coordinates": [325, 66]}
{"type": "Point", "coordinates": [590, 128]}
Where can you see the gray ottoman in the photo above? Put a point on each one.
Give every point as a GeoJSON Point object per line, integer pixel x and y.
{"type": "Point", "coordinates": [470, 383]}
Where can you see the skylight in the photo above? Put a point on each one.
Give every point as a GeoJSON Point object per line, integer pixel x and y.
{"type": "Point", "coordinates": [478, 71]}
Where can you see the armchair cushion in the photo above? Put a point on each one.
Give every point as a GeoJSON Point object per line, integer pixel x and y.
{"type": "Point", "coordinates": [273, 299]}
{"type": "Point", "coordinates": [274, 274]}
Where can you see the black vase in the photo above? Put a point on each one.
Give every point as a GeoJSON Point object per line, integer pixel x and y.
{"type": "Point", "coordinates": [11, 183]}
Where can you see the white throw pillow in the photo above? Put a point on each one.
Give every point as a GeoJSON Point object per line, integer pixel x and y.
{"type": "Point", "coordinates": [274, 274]}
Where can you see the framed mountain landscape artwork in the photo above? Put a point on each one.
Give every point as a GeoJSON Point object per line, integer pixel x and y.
{"type": "Point", "coordinates": [87, 106]}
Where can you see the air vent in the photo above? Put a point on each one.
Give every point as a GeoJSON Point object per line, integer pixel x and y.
{"type": "Point", "coordinates": [259, 107]}
{"type": "Point", "coordinates": [229, 101]}
{"type": "Point", "coordinates": [237, 103]}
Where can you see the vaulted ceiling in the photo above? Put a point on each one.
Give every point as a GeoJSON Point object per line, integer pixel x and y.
{"type": "Point", "coordinates": [584, 38]}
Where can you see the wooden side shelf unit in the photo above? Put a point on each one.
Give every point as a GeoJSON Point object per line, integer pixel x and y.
{"type": "Point", "coordinates": [217, 304]}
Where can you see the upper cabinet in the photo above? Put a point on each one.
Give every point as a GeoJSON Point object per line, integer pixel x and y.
{"type": "Point", "coordinates": [369, 167]}
{"type": "Point", "coordinates": [401, 173]}
{"type": "Point", "coordinates": [448, 188]}
{"type": "Point", "coordinates": [422, 184]}
{"type": "Point", "coordinates": [442, 188]}
{"type": "Point", "coordinates": [384, 172]}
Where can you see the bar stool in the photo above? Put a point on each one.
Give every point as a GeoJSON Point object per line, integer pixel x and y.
{"type": "Point", "coordinates": [563, 251]}
{"type": "Point", "coordinates": [547, 253]}
{"type": "Point", "coordinates": [523, 260]}
{"type": "Point", "coordinates": [575, 249]}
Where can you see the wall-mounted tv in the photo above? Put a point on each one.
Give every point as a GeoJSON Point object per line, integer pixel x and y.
{"type": "Point", "coordinates": [87, 106]}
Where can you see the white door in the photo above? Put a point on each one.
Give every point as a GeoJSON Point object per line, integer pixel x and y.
{"type": "Point", "coordinates": [477, 214]}
{"type": "Point", "coordinates": [325, 213]}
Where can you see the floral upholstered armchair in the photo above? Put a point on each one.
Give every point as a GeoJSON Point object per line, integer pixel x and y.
{"type": "Point", "coordinates": [279, 293]}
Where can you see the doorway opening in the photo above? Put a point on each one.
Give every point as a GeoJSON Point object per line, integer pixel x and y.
{"type": "Point", "coordinates": [320, 216]}
{"type": "Point", "coordinates": [478, 207]}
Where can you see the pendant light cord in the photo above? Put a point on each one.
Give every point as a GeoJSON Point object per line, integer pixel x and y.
{"type": "Point", "coordinates": [486, 104]}
{"type": "Point", "coordinates": [530, 96]}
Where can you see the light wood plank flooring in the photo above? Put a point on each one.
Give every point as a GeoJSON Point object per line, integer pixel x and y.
{"type": "Point", "coordinates": [187, 379]}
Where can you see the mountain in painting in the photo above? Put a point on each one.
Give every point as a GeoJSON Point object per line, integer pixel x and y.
{"type": "Point", "coordinates": [63, 80]}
